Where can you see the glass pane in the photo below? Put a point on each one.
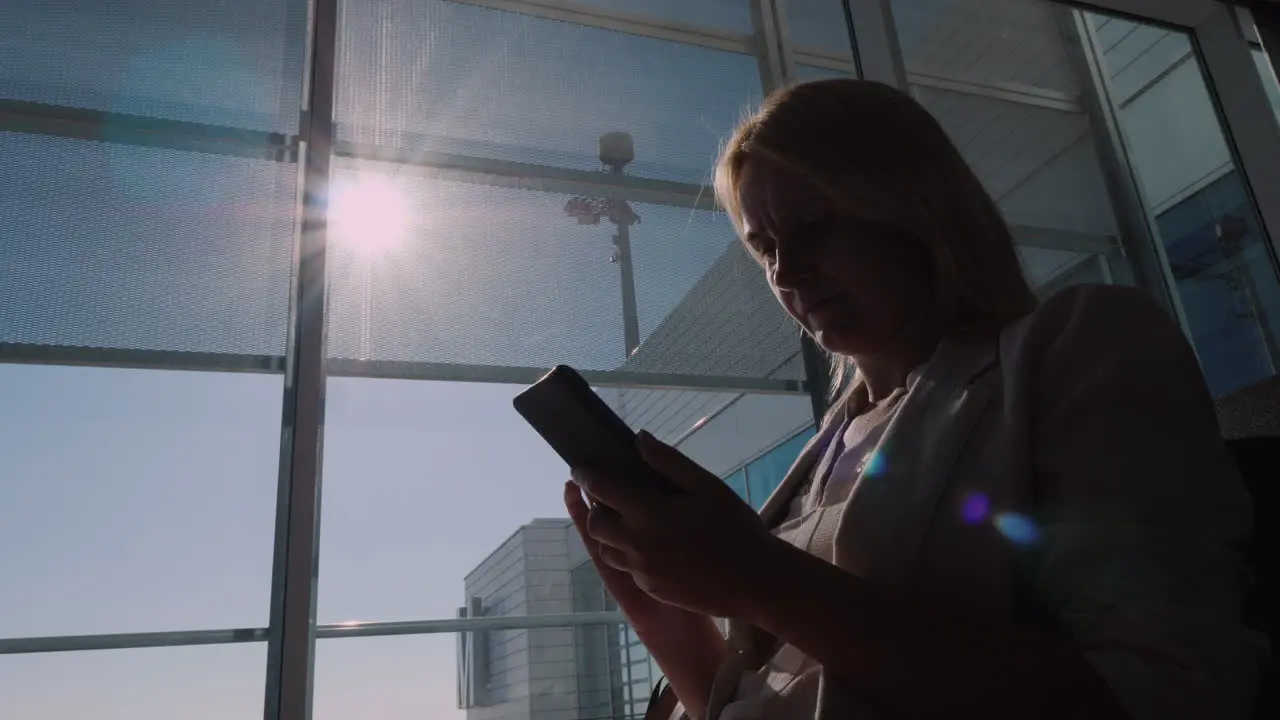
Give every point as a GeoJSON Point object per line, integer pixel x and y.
{"type": "Point", "coordinates": [119, 246]}
{"type": "Point", "coordinates": [592, 672]}
{"type": "Point", "coordinates": [738, 481]}
{"type": "Point", "coordinates": [135, 500]}
{"type": "Point", "coordinates": [457, 78]}
{"type": "Point", "coordinates": [765, 473]}
{"type": "Point", "coordinates": [235, 62]}
{"type": "Point", "coordinates": [211, 682]}
{"type": "Point", "coordinates": [819, 25]}
{"type": "Point", "coordinates": [1216, 254]}
{"type": "Point", "coordinates": [1229, 292]}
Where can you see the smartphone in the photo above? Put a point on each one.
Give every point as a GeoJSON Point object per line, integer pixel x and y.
{"type": "Point", "coordinates": [581, 427]}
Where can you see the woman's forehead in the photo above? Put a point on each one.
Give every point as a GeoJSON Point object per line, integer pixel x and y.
{"type": "Point", "coordinates": [772, 195]}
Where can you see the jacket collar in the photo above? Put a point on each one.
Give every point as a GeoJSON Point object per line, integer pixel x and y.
{"type": "Point", "coordinates": [881, 532]}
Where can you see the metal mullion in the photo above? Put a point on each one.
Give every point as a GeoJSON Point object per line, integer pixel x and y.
{"type": "Point", "coordinates": [36, 354]}
{"type": "Point", "coordinates": [531, 176]}
{"type": "Point", "coordinates": [74, 123]}
{"type": "Point", "coordinates": [1174, 13]}
{"type": "Point", "coordinates": [1248, 120]}
{"type": "Point", "coordinates": [1139, 236]}
{"type": "Point", "coordinates": [630, 23]}
{"type": "Point", "coordinates": [456, 372]}
{"type": "Point", "coordinates": [776, 69]}
{"type": "Point", "coordinates": [185, 638]}
{"type": "Point", "coordinates": [784, 42]}
{"type": "Point", "coordinates": [291, 636]}
{"type": "Point", "coordinates": [876, 48]}
{"type": "Point", "coordinates": [767, 49]}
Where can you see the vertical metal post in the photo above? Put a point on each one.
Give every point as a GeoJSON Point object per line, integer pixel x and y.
{"type": "Point", "coordinates": [768, 47]}
{"type": "Point", "coordinates": [876, 48]}
{"type": "Point", "coordinates": [630, 318]}
{"type": "Point", "coordinates": [1139, 237]}
{"type": "Point", "coordinates": [1248, 119]}
{"type": "Point", "coordinates": [775, 71]}
{"type": "Point", "coordinates": [291, 634]}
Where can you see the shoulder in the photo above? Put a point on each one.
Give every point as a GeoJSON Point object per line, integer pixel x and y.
{"type": "Point", "coordinates": [1091, 327]}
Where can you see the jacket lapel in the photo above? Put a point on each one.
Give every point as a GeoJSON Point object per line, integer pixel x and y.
{"type": "Point", "coordinates": [882, 530]}
{"type": "Point", "coordinates": [880, 535]}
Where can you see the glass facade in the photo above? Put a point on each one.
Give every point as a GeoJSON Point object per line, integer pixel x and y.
{"type": "Point", "coordinates": [765, 473]}
{"type": "Point", "coordinates": [249, 245]}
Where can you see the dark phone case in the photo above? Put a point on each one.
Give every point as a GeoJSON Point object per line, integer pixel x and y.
{"type": "Point", "coordinates": [583, 430]}
{"type": "Point", "coordinates": [576, 423]}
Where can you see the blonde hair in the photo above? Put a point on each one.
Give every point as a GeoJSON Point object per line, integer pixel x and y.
{"type": "Point", "coordinates": [881, 156]}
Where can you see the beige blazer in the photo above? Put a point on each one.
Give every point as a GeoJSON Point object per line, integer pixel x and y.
{"type": "Point", "coordinates": [1090, 419]}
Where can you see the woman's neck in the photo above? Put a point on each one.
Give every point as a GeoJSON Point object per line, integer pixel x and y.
{"type": "Point", "coordinates": [886, 371]}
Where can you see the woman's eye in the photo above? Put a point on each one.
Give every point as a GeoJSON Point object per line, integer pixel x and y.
{"type": "Point", "coordinates": [817, 228]}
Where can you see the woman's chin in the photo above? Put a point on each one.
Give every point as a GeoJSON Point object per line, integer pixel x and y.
{"type": "Point", "coordinates": [846, 341]}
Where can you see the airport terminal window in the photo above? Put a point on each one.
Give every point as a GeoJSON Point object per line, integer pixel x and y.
{"type": "Point", "coordinates": [738, 481]}
{"type": "Point", "coordinates": [1217, 259]}
{"type": "Point", "coordinates": [475, 235]}
{"type": "Point", "coordinates": [1229, 290]}
{"type": "Point", "coordinates": [766, 472]}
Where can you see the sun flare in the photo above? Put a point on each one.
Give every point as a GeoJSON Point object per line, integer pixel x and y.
{"type": "Point", "coordinates": [368, 216]}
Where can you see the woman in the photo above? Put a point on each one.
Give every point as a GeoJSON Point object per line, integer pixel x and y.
{"type": "Point", "coordinates": [1011, 511]}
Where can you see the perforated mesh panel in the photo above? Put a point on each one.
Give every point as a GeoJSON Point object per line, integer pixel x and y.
{"type": "Point", "coordinates": [232, 62]}
{"type": "Point", "coordinates": [488, 275]}
{"type": "Point", "coordinates": [119, 246]}
{"type": "Point", "coordinates": [451, 77]}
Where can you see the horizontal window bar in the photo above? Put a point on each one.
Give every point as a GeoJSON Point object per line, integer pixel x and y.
{"type": "Point", "coordinates": [120, 641]}
{"type": "Point", "coordinates": [1045, 238]}
{"type": "Point", "coordinates": [1009, 92]}
{"type": "Point", "coordinates": [31, 354]}
{"type": "Point", "coordinates": [17, 353]}
{"type": "Point", "coordinates": [631, 23]}
{"type": "Point", "coordinates": [98, 126]}
{"type": "Point", "coordinates": [525, 375]}
{"type": "Point", "coordinates": [530, 176]}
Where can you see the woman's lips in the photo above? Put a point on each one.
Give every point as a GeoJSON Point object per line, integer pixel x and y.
{"type": "Point", "coordinates": [814, 311]}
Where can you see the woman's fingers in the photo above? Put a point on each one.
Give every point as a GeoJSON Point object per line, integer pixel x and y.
{"type": "Point", "coordinates": [617, 491]}
{"type": "Point", "coordinates": [615, 558]}
{"type": "Point", "coordinates": [606, 526]}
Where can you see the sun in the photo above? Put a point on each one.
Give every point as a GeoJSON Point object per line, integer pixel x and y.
{"type": "Point", "coordinates": [368, 216]}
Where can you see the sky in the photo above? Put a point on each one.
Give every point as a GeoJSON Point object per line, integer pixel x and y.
{"type": "Point", "coordinates": [137, 501]}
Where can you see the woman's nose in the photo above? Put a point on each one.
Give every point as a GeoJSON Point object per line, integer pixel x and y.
{"type": "Point", "coordinates": [790, 269]}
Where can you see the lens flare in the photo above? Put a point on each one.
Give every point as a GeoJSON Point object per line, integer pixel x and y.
{"type": "Point", "coordinates": [1019, 529]}
{"type": "Point", "coordinates": [975, 508]}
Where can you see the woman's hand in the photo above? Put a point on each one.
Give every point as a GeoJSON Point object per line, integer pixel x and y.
{"type": "Point", "coordinates": [687, 645]}
{"type": "Point", "coordinates": [697, 549]}
{"type": "Point", "coordinates": [647, 615]}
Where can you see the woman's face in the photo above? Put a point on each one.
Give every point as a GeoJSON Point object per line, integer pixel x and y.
{"type": "Point", "coordinates": [857, 287]}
